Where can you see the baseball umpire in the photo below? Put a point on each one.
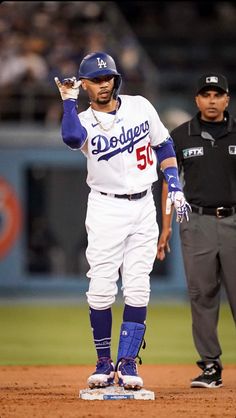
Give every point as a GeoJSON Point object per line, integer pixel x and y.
{"type": "Point", "coordinates": [206, 153]}
{"type": "Point", "coordinates": [121, 136]}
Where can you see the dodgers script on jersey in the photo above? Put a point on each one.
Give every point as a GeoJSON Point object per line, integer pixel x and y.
{"type": "Point", "coordinates": [120, 160]}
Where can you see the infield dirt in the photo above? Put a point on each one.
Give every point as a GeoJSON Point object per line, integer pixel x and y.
{"type": "Point", "coordinates": [53, 392]}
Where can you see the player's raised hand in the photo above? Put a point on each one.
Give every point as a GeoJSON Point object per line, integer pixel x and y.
{"type": "Point", "coordinates": [68, 88]}
{"type": "Point", "coordinates": [182, 207]}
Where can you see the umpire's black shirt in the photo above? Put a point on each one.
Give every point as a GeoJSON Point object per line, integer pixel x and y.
{"type": "Point", "coordinates": [206, 155]}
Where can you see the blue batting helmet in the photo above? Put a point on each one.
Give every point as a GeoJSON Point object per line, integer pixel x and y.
{"type": "Point", "coordinates": [98, 64]}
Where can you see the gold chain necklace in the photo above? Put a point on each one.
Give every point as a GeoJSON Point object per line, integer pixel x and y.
{"type": "Point", "coordinates": [100, 123]}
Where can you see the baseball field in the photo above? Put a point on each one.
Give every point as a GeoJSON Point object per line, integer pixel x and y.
{"type": "Point", "coordinates": [47, 353]}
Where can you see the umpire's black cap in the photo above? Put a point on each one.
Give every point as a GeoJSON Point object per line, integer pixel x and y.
{"type": "Point", "coordinates": [212, 81]}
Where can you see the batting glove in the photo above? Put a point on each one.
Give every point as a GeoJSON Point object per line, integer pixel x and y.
{"type": "Point", "coordinates": [69, 88]}
{"type": "Point", "coordinates": [182, 207]}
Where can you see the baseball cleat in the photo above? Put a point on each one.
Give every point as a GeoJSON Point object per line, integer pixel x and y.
{"type": "Point", "coordinates": [210, 378]}
{"type": "Point", "coordinates": [104, 374]}
{"type": "Point", "coordinates": [128, 374]}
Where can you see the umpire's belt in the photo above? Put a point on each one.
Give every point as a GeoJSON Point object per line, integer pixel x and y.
{"type": "Point", "coordinates": [134, 196]}
{"type": "Point", "coordinates": [220, 212]}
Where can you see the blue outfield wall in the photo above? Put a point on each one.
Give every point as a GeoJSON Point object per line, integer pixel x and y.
{"type": "Point", "coordinates": [37, 149]}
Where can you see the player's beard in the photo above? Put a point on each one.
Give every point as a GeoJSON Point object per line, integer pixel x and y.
{"type": "Point", "coordinates": [102, 101]}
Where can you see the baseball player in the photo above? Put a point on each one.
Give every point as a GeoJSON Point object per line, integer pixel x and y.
{"type": "Point", "coordinates": [122, 138]}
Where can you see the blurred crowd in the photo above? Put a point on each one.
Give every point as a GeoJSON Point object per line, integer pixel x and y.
{"type": "Point", "coordinates": [160, 48]}
{"type": "Point", "coordinates": [181, 16]}
{"type": "Point", "coordinates": [186, 39]}
{"type": "Point", "coordinates": [41, 40]}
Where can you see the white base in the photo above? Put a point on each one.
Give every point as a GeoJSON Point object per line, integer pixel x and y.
{"type": "Point", "coordinates": [114, 393]}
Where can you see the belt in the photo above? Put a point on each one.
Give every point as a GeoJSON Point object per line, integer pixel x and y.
{"type": "Point", "coordinates": [220, 212]}
{"type": "Point", "coordinates": [134, 196]}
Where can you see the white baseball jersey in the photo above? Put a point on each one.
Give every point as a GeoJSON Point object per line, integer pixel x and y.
{"type": "Point", "coordinates": [120, 159]}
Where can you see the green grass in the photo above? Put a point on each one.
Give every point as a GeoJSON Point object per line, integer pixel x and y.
{"type": "Point", "coordinates": [47, 335]}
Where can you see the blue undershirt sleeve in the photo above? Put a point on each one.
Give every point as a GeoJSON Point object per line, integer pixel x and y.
{"type": "Point", "coordinates": [73, 133]}
{"type": "Point", "coordinates": [165, 150]}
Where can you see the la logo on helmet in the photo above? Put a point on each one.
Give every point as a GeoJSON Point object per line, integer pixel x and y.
{"type": "Point", "coordinates": [101, 63]}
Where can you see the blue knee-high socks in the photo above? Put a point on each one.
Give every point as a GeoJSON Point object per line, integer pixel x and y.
{"type": "Point", "coordinates": [134, 314]}
{"type": "Point", "coordinates": [101, 323]}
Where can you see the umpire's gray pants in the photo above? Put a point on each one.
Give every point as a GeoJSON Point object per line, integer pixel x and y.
{"type": "Point", "coordinates": [209, 255]}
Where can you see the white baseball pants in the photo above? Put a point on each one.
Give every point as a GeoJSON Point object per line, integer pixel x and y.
{"type": "Point", "coordinates": [122, 236]}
